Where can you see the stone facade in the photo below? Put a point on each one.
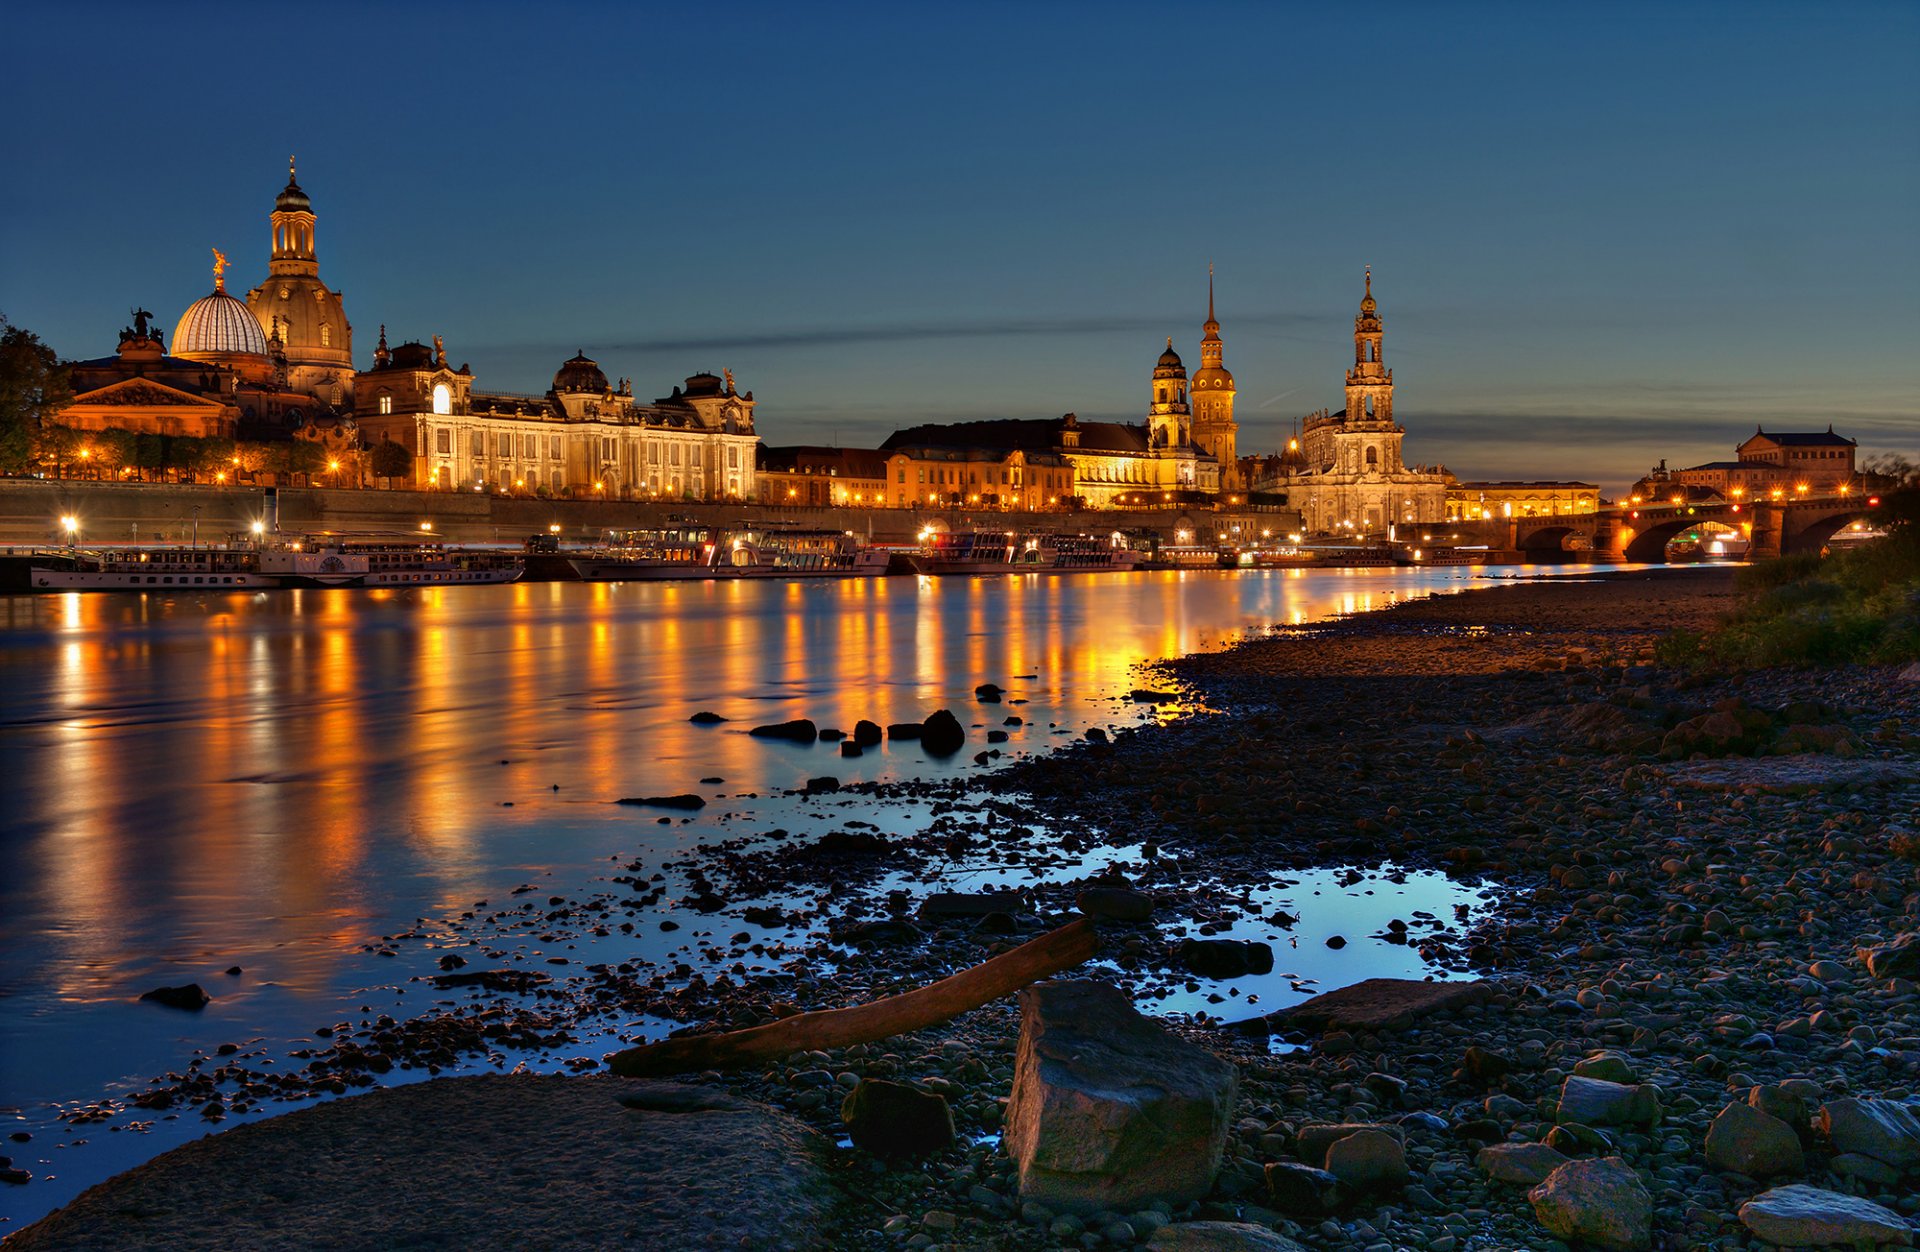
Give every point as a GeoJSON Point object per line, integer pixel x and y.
{"type": "Point", "coordinates": [584, 438]}
{"type": "Point", "coordinates": [1467, 502]}
{"type": "Point", "coordinates": [1776, 465]}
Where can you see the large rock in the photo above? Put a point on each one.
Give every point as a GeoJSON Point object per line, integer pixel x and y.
{"type": "Point", "coordinates": [942, 904]}
{"type": "Point", "coordinates": [1110, 1110]}
{"type": "Point", "coordinates": [187, 996]}
{"type": "Point", "coordinates": [1378, 1004]}
{"type": "Point", "coordinates": [1610, 1066]}
{"type": "Point", "coordinates": [1119, 904]}
{"type": "Point", "coordinates": [1526, 1164]}
{"type": "Point", "coordinates": [942, 734]}
{"type": "Point", "coordinates": [1599, 1201]}
{"type": "Point", "coordinates": [1368, 1158]}
{"type": "Point", "coordinates": [1219, 1237]}
{"type": "Point", "coordinates": [1301, 1191]}
{"type": "Point", "coordinates": [1880, 1129]}
{"type": "Point", "coordinates": [1898, 959]}
{"type": "Point", "coordinates": [894, 1120]}
{"type": "Point", "coordinates": [1809, 1217]}
{"type": "Point", "coordinates": [1313, 1141]}
{"type": "Point", "coordinates": [1226, 958]}
{"type": "Point", "coordinates": [1597, 1102]}
{"type": "Point", "coordinates": [800, 730]}
{"type": "Point", "coordinates": [1743, 1140]}
{"type": "Point", "coordinates": [481, 1163]}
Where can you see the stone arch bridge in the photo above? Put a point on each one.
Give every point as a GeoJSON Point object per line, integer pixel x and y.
{"type": "Point", "coordinates": [1641, 532]}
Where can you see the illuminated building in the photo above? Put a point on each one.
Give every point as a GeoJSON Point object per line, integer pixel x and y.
{"type": "Point", "coordinates": [1344, 473]}
{"type": "Point", "coordinates": [1213, 392]}
{"type": "Point", "coordinates": [585, 437]}
{"type": "Point", "coordinates": [300, 310]}
{"type": "Point", "coordinates": [1792, 463]}
{"type": "Point", "coordinates": [1468, 502]}
{"type": "Point", "coordinates": [817, 477]}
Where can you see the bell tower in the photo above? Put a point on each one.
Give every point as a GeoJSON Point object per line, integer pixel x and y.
{"type": "Point", "coordinates": [308, 317]}
{"type": "Point", "coordinates": [292, 223]}
{"type": "Point", "coordinates": [1169, 417]}
{"type": "Point", "coordinates": [1369, 382]}
{"type": "Point", "coordinates": [1213, 392]}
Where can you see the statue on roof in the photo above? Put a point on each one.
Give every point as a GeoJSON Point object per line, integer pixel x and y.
{"type": "Point", "coordinates": [219, 269]}
{"type": "Point", "coordinates": [140, 320]}
{"type": "Point", "coordinates": [729, 374]}
{"type": "Point", "coordinates": [439, 352]}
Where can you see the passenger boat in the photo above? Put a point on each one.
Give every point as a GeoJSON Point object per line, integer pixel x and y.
{"type": "Point", "coordinates": [1073, 554]}
{"type": "Point", "coordinates": [325, 561]}
{"type": "Point", "coordinates": [699, 553]}
{"type": "Point", "coordinates": [965, 552]}
{"type": "Point", "coordinates": [127, 569]}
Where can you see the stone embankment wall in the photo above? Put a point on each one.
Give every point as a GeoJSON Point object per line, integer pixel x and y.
{"type": "Point", "coordinates": [31, 509]}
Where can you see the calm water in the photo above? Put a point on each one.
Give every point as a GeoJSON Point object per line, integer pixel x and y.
{"type": "Point", "coordinates": [273, 780]}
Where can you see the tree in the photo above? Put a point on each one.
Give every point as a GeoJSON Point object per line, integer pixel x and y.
{"type": "Point", "coordinates": [33, 388]}
{"type": "Point", "coordinates": [391, 460]}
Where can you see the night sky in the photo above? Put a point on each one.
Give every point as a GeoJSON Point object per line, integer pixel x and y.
{"type": "Point", "coordinates": [1600, 235]}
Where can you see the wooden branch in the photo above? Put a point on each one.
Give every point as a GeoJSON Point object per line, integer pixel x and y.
{"type": "Point", "coordinates": [1003, 975]}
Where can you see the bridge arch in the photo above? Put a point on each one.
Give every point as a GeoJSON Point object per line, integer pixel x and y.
{"type": "Point", "coordinates": [1649, 545]}
{"type": "Point", "coordinates": [1547, 542]}
{"type": "Point", "coordinates": [1814, 535]}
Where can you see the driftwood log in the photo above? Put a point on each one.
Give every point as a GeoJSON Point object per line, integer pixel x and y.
{"type": "Point", "coordinates": [1005, 974]}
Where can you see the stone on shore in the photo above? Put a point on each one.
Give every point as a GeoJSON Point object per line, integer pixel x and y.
{"type": "Point", "coordinates": [706, 717]}
{"type": "Point", "coordinates": [1314, 1141]}
{"type": "Point", "coordinates": [1118, 904]}
{"type": "Point", "coordinates": [1743, 1140]}
{"type": "Point", "coordinates": [1219, 1237]}
{"type": "Point", "coordinates": [1881, 1129]}
{"type": "Point", "coordinates": [866, 733]}
{"type": "Point", "coordinates": [1378, 1004]}
{"type": "Point", "coordinates": [943, 904]}
{"type": "Point", "coordinates": [1898, 959]}
{"type": "Point", "coordinates": [800, 730]}
{"type": "Point", "coordinates": [685, 800]}
{"type": "Point", "coordinates": [1597, 1102]}
{"type": "Point", "coordinates": [1301, 1191]}
{"type": "Point", "coordinates": [1226, 958]}
{"type": "Point", "coordinates": [1800, 1216]}
{"type": "Point", "coordinates": [1599, 1201]}
{"type": "Point", "coordinates": [895, 1120]}
{"type": "Point", "coordinates": [1368, 1158]}
{"type": "Point", "coordinates": [1111, 1111]}
{"type": "Point", "coordinates": [1610, 1066]}
{"type": "Point", "coordinates": [189, 996]}
{"type": "Point", "coordinates": [493, 1162]}
{"type": "Point", "coordinates": [942, 734]}
{"type": "Point", "coordinates": [1524, 1164]}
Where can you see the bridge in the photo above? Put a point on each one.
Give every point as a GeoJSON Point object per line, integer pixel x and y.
{"type": "Point", "coordinates": [1641, 532]}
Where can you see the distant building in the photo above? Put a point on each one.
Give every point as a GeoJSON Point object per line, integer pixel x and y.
{"type": "Point", "coordinates": [1791, 463]}
{"type": "Point", "coordinates": [820, 477]}
{"type": "Point", "coordinates": [1472, 501]}
{"type": "Point", "coordinates": [585, 437]}
{"type": "Point", "coordinates": [1344, 472]}
{"type": "Point", "coordinates": [294, 306]}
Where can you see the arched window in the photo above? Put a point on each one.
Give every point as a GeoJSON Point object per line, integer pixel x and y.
{"type": "Point", "coordinates": [326, 335]}
{"type": "Point", "coordinates": [442, 399]}
{"type": "Point", "coordinates": [1373, 457]}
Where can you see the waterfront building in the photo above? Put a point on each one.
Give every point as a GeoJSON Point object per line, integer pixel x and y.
{"type": "Point", "coordinates": [1012, 478]}
{"type": "Point", "coordinates": [1775, 464]}
{"type": "Point", "coordinates": [1344, 472]}
{"type": "Point", "coordinates": [294, 306]}
{"type": "Point", "coordinates": [585, 437]}
{"type": "Point", "coordinates": [1474, 501]}
{"type": "Point", "coordinates": [818, 477]}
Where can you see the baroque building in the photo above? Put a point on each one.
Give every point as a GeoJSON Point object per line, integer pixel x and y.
{"type": "Point", "coordinates": [1213, 425]}
{"type": "Point", "coordinates": [1346, 473]}
{"type": "Point", "coordinates": [585, 437]}
{"type": "Point", "coordinates": [294, 306]}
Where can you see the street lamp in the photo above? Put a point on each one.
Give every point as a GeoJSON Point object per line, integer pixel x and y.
{"type": "Point", "coordinates": [70, 524]}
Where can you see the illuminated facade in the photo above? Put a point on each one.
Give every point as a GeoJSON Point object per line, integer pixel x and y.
{"type": "Point", "coordinates": [584, 438]}
{"type": "Point", "coordinates": [1345, 473]}
{"type": "Point", "coordinates": [819, 477]}
{"type": "Point", "coordinates": [299, 310]}
{"type": "Point", "coordinates": [1782, 464]}
{"type": "Point", "coordinates": [1214, 429]}
{"type": "Point", "coordinates": [1468, 502]}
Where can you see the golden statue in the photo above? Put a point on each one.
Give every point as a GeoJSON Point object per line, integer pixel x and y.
{"type": "Point", "coordinates": [219, 268]}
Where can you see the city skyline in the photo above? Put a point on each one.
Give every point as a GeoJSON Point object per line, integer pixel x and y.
{"type": "Point", "coordinates": [1622, 251]}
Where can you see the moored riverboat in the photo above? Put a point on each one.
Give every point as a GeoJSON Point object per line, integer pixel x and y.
{"type": "Point", "coordinates": [375, 561]}
{"type": "Point", "coordinates": [1073, 554]}
{"type": "Point", "coordinates": [699, 553]}
{"type": "Point", "coordinates": [966, 552]}
{"type": "Point", "coordinates": [158, 568]}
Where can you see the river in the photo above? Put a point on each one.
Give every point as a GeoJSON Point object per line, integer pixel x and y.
{"type": "Point", "coordinates": [274, 781]}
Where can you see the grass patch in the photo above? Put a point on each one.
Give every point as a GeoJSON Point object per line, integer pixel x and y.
{"type": "Point", "coordinates": [1858, 606]}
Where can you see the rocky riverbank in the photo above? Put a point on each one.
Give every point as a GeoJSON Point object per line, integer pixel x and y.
{"type": "Point", "coordinates": [1695, 993]}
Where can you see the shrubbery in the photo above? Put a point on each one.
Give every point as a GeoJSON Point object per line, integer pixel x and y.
{"type": "Point", "coordinates": [1857, 606]}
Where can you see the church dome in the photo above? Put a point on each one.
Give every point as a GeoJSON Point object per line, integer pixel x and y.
{"type": "Point", "coordinates": [580, 374]}
{"type": "Point", "coordinates": [218, 323]}
{"type": "Point", "coordinates": [292, 199]}
{"type": "Point", "coordinates": [1170, 365]}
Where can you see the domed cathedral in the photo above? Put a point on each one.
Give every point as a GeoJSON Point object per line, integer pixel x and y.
{"type": "Point", "coordinates": [1212, 392]}
{"type": "Point", "coordinates": [1348, 476]}
{"type": "Point", "coordinates": [294, 306]}
{"type": "Point", "coordinates": [586, 437]}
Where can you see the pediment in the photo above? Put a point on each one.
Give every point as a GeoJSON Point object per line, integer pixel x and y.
{"type": "Point", "coordinates": [144, 393]}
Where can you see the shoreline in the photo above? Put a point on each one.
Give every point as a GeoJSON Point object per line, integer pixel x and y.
{"type": "Point", "coordinates": [1492, 738]}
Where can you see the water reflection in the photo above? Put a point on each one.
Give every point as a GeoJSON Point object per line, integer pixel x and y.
{"type": "Point", "coordinates": [271, 780]}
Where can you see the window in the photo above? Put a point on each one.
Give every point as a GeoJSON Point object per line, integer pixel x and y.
{"type": "Point", "coordinates": [479, 445]}
{"type": "Point", "coordinates": [443, 442]}
{"type": "Point", "coordinates": [673, 458]}
{"type": "Point", "coordinates": [386, 404]}
{"type": "Point", "coordinates": [442, 398]}
{"type": "Point", "coordinates": [553, 448]}
{"type": "Point", "coordinates": [733, 458]}
{"type": "Point", "coordinates": [606, 449]}
{"type": "Point", "coordinates": [326, 335]}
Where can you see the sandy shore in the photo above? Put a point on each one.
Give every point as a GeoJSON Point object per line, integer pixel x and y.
{"type": "Point", "coordinates": [1690, 897]}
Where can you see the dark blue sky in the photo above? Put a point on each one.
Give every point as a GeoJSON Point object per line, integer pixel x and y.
{"type": "Point", "coordinates": [1600, 235]}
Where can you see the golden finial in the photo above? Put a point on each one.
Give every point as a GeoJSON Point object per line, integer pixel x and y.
{"type": "Point", "coordinates": [1369, 280]}
{"type": "Point", "coordinates": [219, 268]}
{"type": "Point", "coordinates": [289, 167]}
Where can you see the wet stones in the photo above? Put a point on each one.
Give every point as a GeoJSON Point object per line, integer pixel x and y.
{"type": "Point", "coordinates": [942, 734]}
{"type": "Point", "coordinates": [1370, 1157]}
{"type": "Point", "coordinates": [1601, 1202]}
{"type": "Point", "coordinates": [1302, 1190]}
{"type": "Point", "coordinates": [1743, 1140]}
{"type": "Point", "coordinates": [867, 734]}
{"type": "Point", "coordinates": [1523, 1164]}
{"type": "Point", "coordinates": [988, 693]}
{"type": "Point", "coordinates": [1117, 904]}
{"type": "Point", "coordinates": [1597, 1102]}
{"type": "Point", "coordinates": [1378, 1004]}
{"type": "Point", "coordinates": [896, 1121]}
{"type": "Point", "coordinates": [1898, 959]}
{"type": "Point", "coordinates": [1881, 1129]}
{"type": "Point", "coordinates": [902, 730]}
{"type": "Point", "coordinates": [190, 997]}
{"type": "Point", "coordinates": [685, 800]}
{"type": "Point", "coordinates": [1799, 1216]}
{"type": "Point", "coordinates": [952, 904]}
{"type": "Point", "coordinates": [1225, 958]}
{"type": "Point", "coordinates": [1109, 1109]}
{"type": "Point", "coordinates": [1219, 1237]}
{"type": "Point", "coordinates": [706, 718]}
{"type": "Point", "coordinates": [799, 730]}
